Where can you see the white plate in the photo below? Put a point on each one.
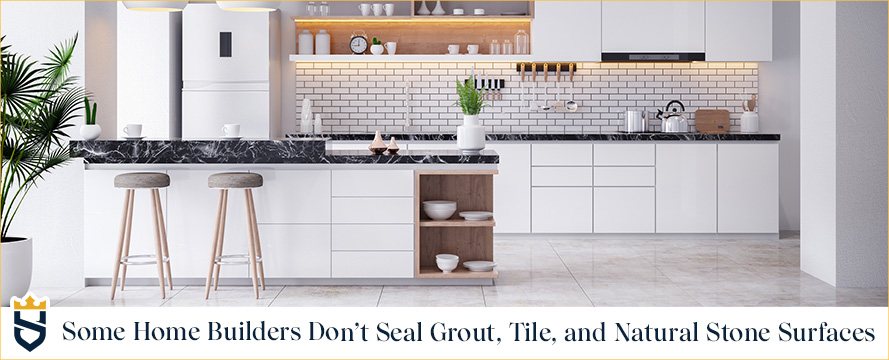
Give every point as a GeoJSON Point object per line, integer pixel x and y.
{"type": "Point", "coordinates": [230, 137]}
{"type": "Point", "coordinates": [133, 137]}
{"type": "Point", "coordinates": [480, 265]}
{"type": "Point", "coordinates": [476, 215]}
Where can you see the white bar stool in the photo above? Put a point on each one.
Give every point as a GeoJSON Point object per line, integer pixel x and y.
{"type": "Point", "coordinates": [131, 182]}
{"type": "Point", "coordinates": [224, 182]}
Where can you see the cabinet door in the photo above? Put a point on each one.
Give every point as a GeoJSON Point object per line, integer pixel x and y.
{"type": "Point", "coordinates": [623, 210]}
{"type": "Point", "coordinates": [512, 189]}
{"type": "Point", "coordinates": [295, 251]}
{"type": "Point", "coordinates": [557, 21]}
{"type": "Point", "coordinates": [686, 188]}
{"type": "Point", "coordinates": [562, 210]}
{"type": "Point", "coordinates": [293, 197]}
{"type": "Point", "coordinates": [653, 26]}
{"type": "Point", "coordinates": [739, 31]}
{"type": "Point", "coordinates": [102, 210]}
{"type": "Point", "coordinates": [748, 188]}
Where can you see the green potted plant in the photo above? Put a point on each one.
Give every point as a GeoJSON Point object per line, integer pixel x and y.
{"type": "Point", "coordinates": [377, 47]}
{"type": "Point", "coordinates": [90, 130]}
{"type": "Point", "coordinates": [470, 135]}
{"type": "Point", "coordinates": [38, 103]}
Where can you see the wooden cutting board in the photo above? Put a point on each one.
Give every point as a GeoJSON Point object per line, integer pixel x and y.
{"type": "Point", "coordinates": [712, 121]}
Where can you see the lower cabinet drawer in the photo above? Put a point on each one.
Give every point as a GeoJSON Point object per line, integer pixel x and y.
{"type": "Point", "coordinates": [623, 176]}
{"type": "Point", "coordinates": [373, 237]}
{"type": "Point", "coordinates": [372, 210]}
{"type": "Point", "coordinates": [373, 264]}
{"type": "Point", "coordinates": [561, 176]}
{"type": "Point", "coordinates": [623, 210]}
{"type": "Point", "coordinates": [562, 210]}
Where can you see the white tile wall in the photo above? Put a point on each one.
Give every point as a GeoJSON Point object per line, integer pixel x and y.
{"type": "Point", "coordinates": [364, 97]}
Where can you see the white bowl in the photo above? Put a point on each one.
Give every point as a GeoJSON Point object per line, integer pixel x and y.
{"type": "Point", "coordinates": [440, 203]}
{"type": "Point", "coordinates": [439, 213]}
{"type": "Point", "coordinates": [447, 262]}
{"type": "Point", "coordinates": [479, 265]}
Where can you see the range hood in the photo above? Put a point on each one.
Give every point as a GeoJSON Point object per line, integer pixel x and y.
{"type": "Point", "coordinates": [652, 56]}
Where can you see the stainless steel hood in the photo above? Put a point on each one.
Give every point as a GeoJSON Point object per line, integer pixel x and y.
{"type": "Point", "coordinates": [653, 56]}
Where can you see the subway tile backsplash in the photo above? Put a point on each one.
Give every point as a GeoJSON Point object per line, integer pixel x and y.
{"type": "Point", "coordinates": [364, 97]}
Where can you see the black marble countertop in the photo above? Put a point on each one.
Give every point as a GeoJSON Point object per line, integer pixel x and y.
{"type": "Point", "coordinates": [289, 151]}
{"type": "Point", "coordinates": [617, 136]}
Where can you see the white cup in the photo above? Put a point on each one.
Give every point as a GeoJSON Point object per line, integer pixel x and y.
{"type": "Point", "coordinates": [390, 47]}
{"type": "Point", "coordinates": [458, 11]}
{"type": "Point", "coordinates": [453, 49]}
{"type": "Point", "coordinates": [133, 130]}
{"type": "Point", "coordinates": [378, 9]}
{"type": "Point", "coordinates": [479, 11]}
{"type": "Point", "coordinates": [231, 130]}
{"type": "Point", "coordinates": [365, 9]}
{"type": "Point", "coordinates": [472, 49]}
{"type": "Point", "coordinates": [390, 9]}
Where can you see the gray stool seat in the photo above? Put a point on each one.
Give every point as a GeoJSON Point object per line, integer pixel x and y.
{"type": "Point", "coordinates": [142, 180]}
{"type": "Point", "coordinates": [235, 180]}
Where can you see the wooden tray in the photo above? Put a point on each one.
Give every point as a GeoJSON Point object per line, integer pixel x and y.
{"type": "Point", "coordinates": [712, 121]}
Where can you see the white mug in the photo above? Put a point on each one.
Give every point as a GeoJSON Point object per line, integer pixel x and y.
{"type": "Point", "coordinates": [479, 11]}
{"type": "Point", "coordinates": [133, 130]}
{"type": "Point", "coordinates": [453, 49]}
{"type": "Point", "coordinates": [458, 11]}
{"type": "Point", "coordinates": [378, 9]}
{"type": "Point", "coordinates": [365, 9]}
{"type": "Point", "coordinates": [231, 130]}
{"type": "Point", "coordinates": [472, 49]}
{"type": "Point", "coordinates": [390, 47]}
{"type": "Point", "coordinates": [390, 9]}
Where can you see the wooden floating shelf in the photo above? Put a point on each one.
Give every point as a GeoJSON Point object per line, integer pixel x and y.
{"type": "Point", "coordinates": [410, 18]}
{"type": "Point", "coordinates": [459, 273]}
{"type": "Point", "coordinates": [410, 58]}
{"type": "Point", "coordinates": [456, 223]}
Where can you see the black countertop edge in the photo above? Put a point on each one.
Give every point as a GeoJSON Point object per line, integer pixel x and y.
{"type": "Point", "coordinates": [654, 136]}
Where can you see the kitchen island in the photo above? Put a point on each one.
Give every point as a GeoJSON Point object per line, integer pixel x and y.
{"type": "Point", "coordinates": [343, 217]}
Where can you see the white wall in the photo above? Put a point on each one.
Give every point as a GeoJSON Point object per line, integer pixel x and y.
{"type": "Point", "coordinates": [52, 212]}
{"type": "Point", "coordinates": [779, 95]}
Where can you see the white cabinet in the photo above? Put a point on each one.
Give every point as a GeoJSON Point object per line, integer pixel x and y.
{"type": "Point", "coordinates": [557, 23]}
{"type": "Point", "coordinates": [686, 188]}
{"type": "Point", "coordinates": [372, 183]}
{"type": "Point", "coordinates": [512, 189]}
{"type": "Point", "coordinates": [623, 210]}
{"type": "Point", "coordinates": [293, 197]}
{"type": "Point", "coordinates": [348, 210]}
{"type": "Point", "coordinates": [623, 154]}
{"type": "Point", "coordinates": [739, 30]}
{"type": "Point", "coordinates": [562, 154]}
{"type": "Point", "coordinates": [562, 176]}
{"type": "Point", "coordinates": [562, 210]}
{"type": "Point", "coordinates": [653, 26]}
{"type": "Point", "coordinates": [372, 237]}
{"type": "Point", "coordinates": [295, 251]}
{"type": "Point", "coordinates": [372, 264]}
{"type": "Point", "coordinates": [623, 176]}
{"type": "Point", "coordinates": [748, 188]}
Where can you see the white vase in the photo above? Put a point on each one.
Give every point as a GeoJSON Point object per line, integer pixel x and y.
{"type": "Point", "coordinates": [322, 43]}
{"type": "Point", "coordinates": [438, 9]}
{"type": "Point", "coordinates": [90, 132]}
{"type": "Point", "coordinates": [376, 49]}
{"type": "Point", "coordinates": [750, 122]}
{"type": "Point", "coordinates": [470, 136]}
{"type": "Point", "coordinates": [15, 268]}
{"type": "Point", "coordinates": [423, 9]}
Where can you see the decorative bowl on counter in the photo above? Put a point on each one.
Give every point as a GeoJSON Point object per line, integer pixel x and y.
{"type": "Point", "coordinates": [476, 215]}
{"type": "Point", "coordinates": [479, 266]}
{"type": "Point", "coordinates": [439, 209]}
{"type": "Point", "coordinates": [447, 262]}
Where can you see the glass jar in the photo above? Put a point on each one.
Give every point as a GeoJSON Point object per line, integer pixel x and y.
{"type": "Point", "coordinates": [495, 47]}
{"type": "Point", "coordinates": [324, 9]}
{"type": "Point", "coordinates": [507, 47]}
{"type": "Point", "coordinates": [310, 9]}
{"type": "Point", "coordinates": [521, 43]}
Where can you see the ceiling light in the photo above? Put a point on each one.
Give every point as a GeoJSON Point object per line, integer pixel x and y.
{"type": "Point", "coordinates": [156, 6]}
{"type": "Point", "coordinates": [249, 6]}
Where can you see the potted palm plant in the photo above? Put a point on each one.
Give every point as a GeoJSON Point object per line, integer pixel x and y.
{"type": "Point", "coordinates": [38, 102]}
{"type": "Point", "coordinates": [470, 135]}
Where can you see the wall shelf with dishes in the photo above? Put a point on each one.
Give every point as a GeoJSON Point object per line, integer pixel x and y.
{"type": "Point", "coordinates": [449, 233]}
{"type": "Point", "coordinates": [421, 37]}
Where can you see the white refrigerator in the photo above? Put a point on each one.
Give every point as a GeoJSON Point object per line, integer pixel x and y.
{"type": "Point", "coordinates": [231, 68]}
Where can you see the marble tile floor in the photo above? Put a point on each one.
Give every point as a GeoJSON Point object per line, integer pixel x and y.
{"type": "Point", "coordinates": [559, 273]}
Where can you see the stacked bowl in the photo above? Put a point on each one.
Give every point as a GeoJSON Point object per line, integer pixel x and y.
{"type": "Point", "coordinates": [439, 209]}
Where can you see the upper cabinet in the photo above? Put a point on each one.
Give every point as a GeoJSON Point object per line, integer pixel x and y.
{"type": "Point", "coordinates": [652, 26]}
{"type": "Point", "coordinates": [567, 31]}
{"type": "Point", "coordinates": [739, 31]}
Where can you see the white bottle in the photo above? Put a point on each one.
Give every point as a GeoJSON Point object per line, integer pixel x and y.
{"type": "Point", "coordinates": [322, 43]}
{"type": "Point", "coordinates": [306, 43]}
{"type": "Point", "coordinates": [317, 124]}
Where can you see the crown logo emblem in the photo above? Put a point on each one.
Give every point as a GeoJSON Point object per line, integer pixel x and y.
{"type": "Point", "coordinates": [30, 303]}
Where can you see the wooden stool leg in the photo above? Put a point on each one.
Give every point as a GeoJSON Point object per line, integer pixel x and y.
{"type": "Point", "coordinates": [157, 245]}
{"type": "Point", "coordinates": [131, 197]}
{"type": "Point", "coordinates": [164, 246]}
{"type": "Point", "coordinates": [221, 236]}
{"type": "Point", "coordinates": [123, 229]}
{"type": "Point", "coordinates": [213, 248]}
{"type": "Point", "coordinates": [251, 246]}
{"type": "Point", "coordinates": [255, 229]}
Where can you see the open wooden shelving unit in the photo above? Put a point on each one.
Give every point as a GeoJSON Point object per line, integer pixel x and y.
{"type": "Point", "coordinates": [470, 240]}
